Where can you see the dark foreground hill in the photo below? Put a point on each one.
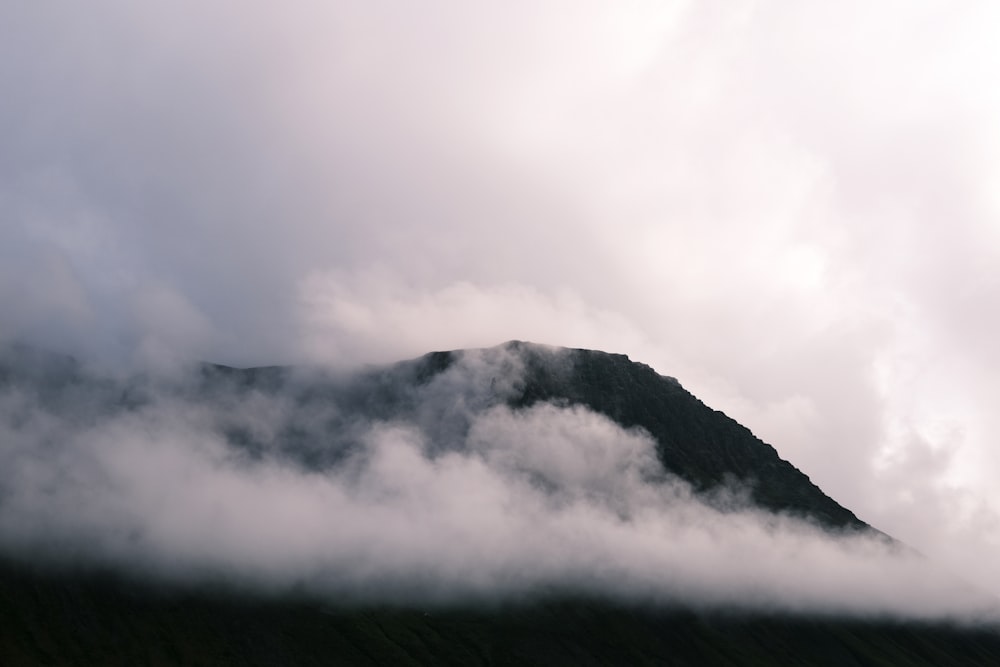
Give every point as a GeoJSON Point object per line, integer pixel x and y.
{"type": "Point", "coordinates": [99, 620]}
{"type": "Point", "coordinates": [95, 620]}
{"type": "Point", "coordinates": [79, 614]}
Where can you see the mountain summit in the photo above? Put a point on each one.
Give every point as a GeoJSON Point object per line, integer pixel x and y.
{"type": "Point", "coordinates": [693, 441]}
{"type": "Point", "coordinates": [698, 444]}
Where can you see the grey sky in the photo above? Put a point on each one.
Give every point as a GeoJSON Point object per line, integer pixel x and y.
{"type": "Point", "coordinates": [790, 207]}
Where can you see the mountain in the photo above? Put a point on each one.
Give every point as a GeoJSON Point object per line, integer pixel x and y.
{"type": "Point", "coordinates": [58, 609]}
{"type": "Point", "coordinates": [700, 445]}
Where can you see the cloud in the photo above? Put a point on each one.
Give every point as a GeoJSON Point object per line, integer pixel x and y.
{"type": "Point", "coordinates": [791, 208]}
{"type": "Point", "coordinates": [363, 316]}
{"type": "Point", "coordinates": [453, 497]}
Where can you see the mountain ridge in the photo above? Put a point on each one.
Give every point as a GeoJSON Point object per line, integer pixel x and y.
{"type": "Point", "coordinates": [724, 452]}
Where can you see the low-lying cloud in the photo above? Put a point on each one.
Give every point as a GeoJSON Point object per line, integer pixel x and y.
{"type": "Point", "coordinates": [453, 496]}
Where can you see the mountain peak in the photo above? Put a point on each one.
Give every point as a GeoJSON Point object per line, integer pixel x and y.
{"type": "Point", "coordinates": [701, 445]}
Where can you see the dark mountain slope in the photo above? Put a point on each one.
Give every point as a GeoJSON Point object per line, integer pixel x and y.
{"type": "Point", "coordinates": [94, 619]}
{"type": "Point", "coordinates": [701, 445]}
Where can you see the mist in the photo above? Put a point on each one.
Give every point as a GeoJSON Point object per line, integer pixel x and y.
{"type": "Point", "coordinates": [453, 497]}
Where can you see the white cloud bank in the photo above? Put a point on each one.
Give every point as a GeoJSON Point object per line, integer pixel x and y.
{"type": "Point", "coordinates": [518, 503]}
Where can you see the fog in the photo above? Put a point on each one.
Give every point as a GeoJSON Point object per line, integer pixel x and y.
{"type": "Point", "coordinates": [455, 497]}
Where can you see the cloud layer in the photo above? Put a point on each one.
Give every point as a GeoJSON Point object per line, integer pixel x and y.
{"type": "Point", "coordinates": [455, 498]}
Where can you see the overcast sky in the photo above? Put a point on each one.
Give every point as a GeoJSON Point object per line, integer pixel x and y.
{"type": "Point", "coordinates": [791, 207]}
